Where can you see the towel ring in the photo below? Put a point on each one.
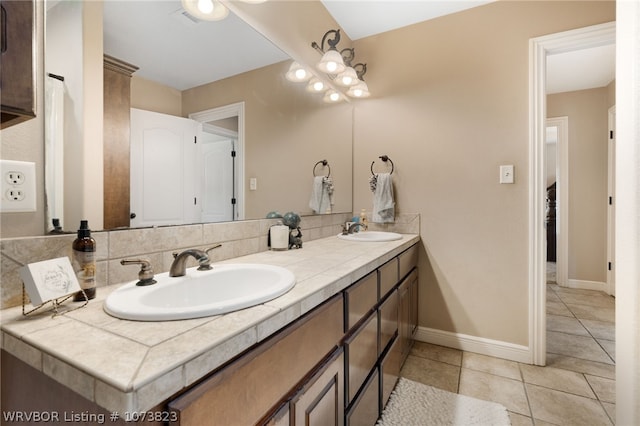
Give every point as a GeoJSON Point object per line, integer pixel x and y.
{"type": "Point", "coordinates": [325, 163]}
{"type": "Point", "coordinates": [384, 158]}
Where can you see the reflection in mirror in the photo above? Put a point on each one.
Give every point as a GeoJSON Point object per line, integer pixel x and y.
{"type": "Point", "coordinates": [285, 130]}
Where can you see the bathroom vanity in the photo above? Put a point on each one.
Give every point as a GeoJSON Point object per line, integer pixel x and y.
{"type": "Point", "coordinates": [327, 352]}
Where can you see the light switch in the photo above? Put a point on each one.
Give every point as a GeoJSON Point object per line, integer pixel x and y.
{"type": "Point", "coordinates": [506, 174]}
{"type": "Point", "coordinates": [253, 184]}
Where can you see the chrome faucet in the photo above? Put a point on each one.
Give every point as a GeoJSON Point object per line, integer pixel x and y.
{"type": "Point", "coordinates": [179, 265]}
{"type": "Point", "coordinates": [350, 227]}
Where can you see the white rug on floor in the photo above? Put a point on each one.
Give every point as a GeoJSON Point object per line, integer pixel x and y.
{"type": "Point", "coordinates": [415, 404]}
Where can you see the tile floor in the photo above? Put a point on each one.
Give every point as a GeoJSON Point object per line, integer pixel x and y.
{"type": "Point", "coordinates": [577, 387]}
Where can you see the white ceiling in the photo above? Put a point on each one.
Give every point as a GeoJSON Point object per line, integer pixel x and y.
{"type": "Point", "coordinates": [172, 49]}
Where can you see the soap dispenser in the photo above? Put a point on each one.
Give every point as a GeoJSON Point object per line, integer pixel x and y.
{"type": "Point", "coordinates": [84, 262]}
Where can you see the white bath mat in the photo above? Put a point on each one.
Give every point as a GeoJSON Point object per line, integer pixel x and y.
{"type": "Point", "coordinates": [415, 404]}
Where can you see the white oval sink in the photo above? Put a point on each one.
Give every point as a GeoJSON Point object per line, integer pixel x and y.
{"type": "Point", "coordinates": [371, 236]}
{"type": "Point", "coordinates": [224, 288]}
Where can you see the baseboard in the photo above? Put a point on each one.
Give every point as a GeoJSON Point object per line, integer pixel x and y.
{"type": "Point", "coordinates": [475, 344]}
{"type": "Point", "coordinates": [588, 285]}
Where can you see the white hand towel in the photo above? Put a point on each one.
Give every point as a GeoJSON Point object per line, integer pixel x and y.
{"type": "Point", "coordinates": [321, 195]}
{"type": "Point", "coordinates": [383, 203]}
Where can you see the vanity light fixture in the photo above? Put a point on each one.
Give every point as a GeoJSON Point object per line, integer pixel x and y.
{"type": "Point", "coordinates": [332, 96]}
{"type": "Point", "coordinates": [331, 61]}
{"type": "Point", "coordinates": [316, 85]}
{"type": "Point", "coordinates": [360, 89]}
{"type": "Point", "coordinates": [297, 73]}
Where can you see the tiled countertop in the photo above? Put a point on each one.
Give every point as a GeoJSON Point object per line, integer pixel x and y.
{"type": "Point", "coordinates": [131, 366]}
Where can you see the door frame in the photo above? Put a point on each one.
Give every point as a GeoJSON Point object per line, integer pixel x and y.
{"type": "Point", "coordinates": [219, 113]}
{"type": "Point", "coordinates": [562, 197]}
{"type": "Point", "coordinates": [539, 49]}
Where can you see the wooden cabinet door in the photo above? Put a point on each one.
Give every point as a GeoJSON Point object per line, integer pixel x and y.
{"type": "Point", "coordinates": [390, 366]}
{"type": "Point", "coordinates": [321, 400]}
{"type": "Point", "coordinates": [362, 353]}
{"type": "Point", "coordinates": [388, 312]}
{"type": "Point", "coordinates": [16, 66]}
{"type": "Point", "coordinates": [366, 409]}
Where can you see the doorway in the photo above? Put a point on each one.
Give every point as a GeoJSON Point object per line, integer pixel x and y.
{"type": "Point", "coordinates": [216, 120]}
{"type": "Point", "coordinates": [540, 48]}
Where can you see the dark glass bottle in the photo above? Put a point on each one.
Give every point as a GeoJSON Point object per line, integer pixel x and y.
{"type": "Point", "coordinates": [84, 262]}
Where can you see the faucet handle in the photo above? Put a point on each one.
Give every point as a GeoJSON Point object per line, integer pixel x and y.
{"type": "Point", "coordinates": [205, 262]}
{"type": "Point", "coordinates": [212, 247]}
{"type": "Point", "coordinates": [146, 271]}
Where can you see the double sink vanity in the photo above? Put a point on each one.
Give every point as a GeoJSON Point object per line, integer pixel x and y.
{"type": "Point", "coordinates": [324, 349]}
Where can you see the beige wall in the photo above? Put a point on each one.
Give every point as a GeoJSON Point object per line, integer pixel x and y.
{"type": "Point", "coordinates": [588, 125]}
{"type": "Point", "coordinates": [450, 104]}
{"type": "Point", "coordinates": [151, 96]}
{"type": "Point", "coordinates": [287, 131]}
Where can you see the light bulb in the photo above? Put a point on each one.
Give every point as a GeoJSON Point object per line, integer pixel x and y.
{"type": "Point", "coordinates": [332, 66]}
{"type": "Point", "coordinates": [205, 6]}
{"type": "Point", "coordinates": [315, 85]}
{"type": "Point", "coordinates": [332, 96]}
{"type": "Point", "coordinates": [297, 73]}
{"type": "Point", "coordinates": [359, 90]}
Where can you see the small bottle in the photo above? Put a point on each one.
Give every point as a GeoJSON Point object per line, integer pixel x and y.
{"type": "Point", "coordinates": [363, 219]}
{"type": "Point", "coordinates": [84, 262]}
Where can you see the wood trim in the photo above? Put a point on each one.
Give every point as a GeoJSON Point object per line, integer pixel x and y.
{"type": "Point", "coordinates": [119, 66]}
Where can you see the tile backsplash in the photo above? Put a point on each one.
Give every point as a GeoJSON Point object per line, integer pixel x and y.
{"type": "Point", "coordinates": [158, 243]}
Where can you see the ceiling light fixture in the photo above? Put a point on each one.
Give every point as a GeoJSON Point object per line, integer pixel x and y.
{"type": "Point", "coordinates": [206, 10]}
{"type": "Point", "coordinates": [209, 10]}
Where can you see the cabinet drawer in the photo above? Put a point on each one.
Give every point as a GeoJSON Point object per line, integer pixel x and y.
{"type": "Point", "coordinates": [388, 312]}
{"type": "Point", "coordinates": [390, 371]}
{"type": "Point", "coordinates": [388, 276]}
{"type": "Point", "coordinates": [321, 401]}
{"type": "Point", "coordinates": [362, 352]}
{"type": "Point", "coordinates": [408, 260]}
{"type": "Point", "coordinates": [246, 391]}
{"type": "Point", "coordinates": [360, 299]}
{"type": "Point", "coordinates": [365, 411]}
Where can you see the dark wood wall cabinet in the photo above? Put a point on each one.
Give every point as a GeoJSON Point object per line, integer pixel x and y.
{"type": "Point", "coordinates": [17, 78]}
{"type": "Point", "coordinates": [117, 129]}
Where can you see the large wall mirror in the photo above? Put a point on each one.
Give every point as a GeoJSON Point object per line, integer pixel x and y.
{"type": "Point", "coordinates": [285, 130]}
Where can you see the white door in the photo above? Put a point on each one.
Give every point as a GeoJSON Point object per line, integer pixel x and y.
{"type": "Point", "coordinates": [217, 179]}
{"type": "Point", "coordinates": [163, 169]}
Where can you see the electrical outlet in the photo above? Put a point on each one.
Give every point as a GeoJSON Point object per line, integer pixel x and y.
{"type": "Point", "coordinates": [18, 186]}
